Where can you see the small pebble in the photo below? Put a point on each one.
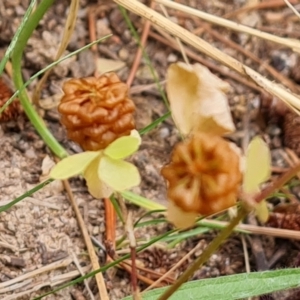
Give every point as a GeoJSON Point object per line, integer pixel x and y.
{"type": "Point", "coordinates": [164, 132]}
{"type": "Point", "coordinates": [30, 153]}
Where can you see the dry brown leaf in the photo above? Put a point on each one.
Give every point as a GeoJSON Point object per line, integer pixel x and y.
{"type": "Point", "coordinates": [198, 101]}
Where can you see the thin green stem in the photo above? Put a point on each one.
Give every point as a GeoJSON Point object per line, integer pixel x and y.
{"type": "Point", "coordinates": [103, 269]}
{"type": "Point", "coordinates": [211, 248]}
{"type": "Point", "coordinates": [25, 195]}
{"type": "Point", "coordinates": [13, 42]}
{"type": "Point", "coordinates": [17, 53]}
{"type": "Point", "coordinates": [50, 66]}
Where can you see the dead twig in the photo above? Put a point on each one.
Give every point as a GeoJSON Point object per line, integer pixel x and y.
{"type": "Point", "coordinates": [93, 256]}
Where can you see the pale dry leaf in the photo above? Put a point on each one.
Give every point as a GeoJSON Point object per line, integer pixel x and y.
{"type": "Point", "coordinates": [181, 219]}
{"type": "Point", "coordinates": [109, 65]}
{"type": "Point", "coordinates": [198, 101]}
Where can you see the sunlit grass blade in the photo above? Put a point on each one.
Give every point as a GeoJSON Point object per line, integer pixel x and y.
{"type": "Point", "coordinates": [155, 123]}
{"type": "Point", "coordinates": [151, 223]}
{"type": "Point", "coordinates": [180, 236]}
{"type": "Point", "coordinates": [142, 201]}
{"type": "Point", "coordinates": [148, 214]}
{"type": "Point", "coordinates": [25, 195]}
{"type": "Point", "coordinates": [240, 286]}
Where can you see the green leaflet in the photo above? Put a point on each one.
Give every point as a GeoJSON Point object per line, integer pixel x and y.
{"type": "Point", "coordinates": [142, 201]}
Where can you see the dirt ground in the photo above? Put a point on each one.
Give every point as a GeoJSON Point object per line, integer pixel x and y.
{"type": "Point", "coordinates": [41, 246]}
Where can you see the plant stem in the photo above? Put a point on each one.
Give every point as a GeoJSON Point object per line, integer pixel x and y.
{"type": "Point", "coordinates": [25, 195]}
{"type": "Point", "coordinates": [209, 250]}
{"type": "Point", "coordinates": [17, 53]}
{"type": "Point", "coordinates": [213, 246]}
{"type": "Point", "coordinates": [12, 44]}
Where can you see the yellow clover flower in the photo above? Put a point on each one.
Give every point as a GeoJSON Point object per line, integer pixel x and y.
{"type": "Point", "coordinates": [105, 170]}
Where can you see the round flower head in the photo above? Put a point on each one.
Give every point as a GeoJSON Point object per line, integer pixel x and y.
{"type": "Point", "coordinates": [204, 175]}
{"type": "Point", "coordinates": [96, 111]}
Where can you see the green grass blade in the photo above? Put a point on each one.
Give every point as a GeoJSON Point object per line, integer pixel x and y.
{"type": "Point", "coordinates": [13, 42]}
{"type": "Point", "coordinates": [232, 287]}
{"type": "Point", "coordinates": [155, 123]}
{"type": "Point", "coordinates": [142, 201]}
{"type": "Point", "coordinates": [25, 195]}
{"type": "Point", "coordinates": [103, 269]}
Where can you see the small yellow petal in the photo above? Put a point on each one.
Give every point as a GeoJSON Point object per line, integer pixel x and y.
{"type": "Point", "coordinates": [96, 187]}
{"type": "Point", "coordinates": [262, 211]}
{"type": "Point", "coordinates": [123, 146]}
{"type": "Point", "coordinates": [258, 165]}
{"type": "Point", "coordinates": [73, 165]}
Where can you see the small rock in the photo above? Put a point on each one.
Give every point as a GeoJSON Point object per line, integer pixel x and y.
{"type": "Point", "coordinates": [30, 153]}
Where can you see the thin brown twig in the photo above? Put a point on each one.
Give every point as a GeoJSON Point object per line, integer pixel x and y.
{"type": "Point", "coordinates": [92, 27]}
{"type": "Point", "coordinates": [140, 50]}
{"type": "Point", "coordinates": [253, 229]}
{"type": "Point", "coordinates": [110, 221]}
{"type": "Point", "coordinates": [93, 256]}
{"type": "Point", "coordinates": [277, 75]}
{"type": "Point", "coordinates": [176, 266]}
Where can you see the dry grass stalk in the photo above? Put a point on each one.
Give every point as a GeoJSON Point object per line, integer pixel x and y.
{"type": "Point", "coordinates": [275, 89]}
{"type": "Point", "coordinates": [287, 42]}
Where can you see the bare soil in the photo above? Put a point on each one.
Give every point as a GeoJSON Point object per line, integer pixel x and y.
{"type": "Point", "coordinates": [40, 241]}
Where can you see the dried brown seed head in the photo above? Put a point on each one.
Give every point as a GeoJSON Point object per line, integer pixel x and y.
{"type": "Point", "coordinates": [14, 109]}
{"type": "Point", "coordinates": [204, 174]}
{"type": "Point", "coordinates": [96, 111]}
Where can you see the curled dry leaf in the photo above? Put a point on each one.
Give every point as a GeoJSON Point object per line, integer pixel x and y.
{"type": "Point", "coordinates": [96, 111]}
{"type": "Point", "coordinates": [198, 101]}
{"type": "Point", "coordinates": [204, 175]}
